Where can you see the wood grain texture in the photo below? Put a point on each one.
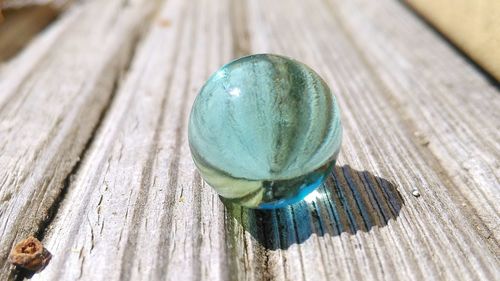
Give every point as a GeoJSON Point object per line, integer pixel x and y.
{"type": "Point", "coordinates": [453, 112]}
{"type": "Point", "coordinates": [136, 208]}
{"type": "Point", "coordinates": [51, 99]}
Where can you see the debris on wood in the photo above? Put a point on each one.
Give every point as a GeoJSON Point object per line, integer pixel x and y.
{"type": "Point", "coordinates": [415, 192]}
{"type": "Point", "coordinates": [30, 254]}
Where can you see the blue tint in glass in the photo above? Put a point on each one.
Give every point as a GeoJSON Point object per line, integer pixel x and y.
{"type": "Point", "coordinates": [264, 131]}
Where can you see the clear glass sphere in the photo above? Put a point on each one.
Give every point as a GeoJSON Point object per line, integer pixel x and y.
{"type": "Point", "coordinates": [264, 131]}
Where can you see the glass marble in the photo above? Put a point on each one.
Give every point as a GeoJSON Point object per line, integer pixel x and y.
{"type": "Point", "coordinates": [264, 131]}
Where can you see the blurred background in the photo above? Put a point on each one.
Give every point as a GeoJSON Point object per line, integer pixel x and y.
{"type": "Point", "coordinates": [473, 26]}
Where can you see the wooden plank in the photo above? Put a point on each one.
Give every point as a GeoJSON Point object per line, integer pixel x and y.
{"type": "Point", "coordinates": [135, 210]}
{"type": "Point", "coordinates": [51, 99]}
{"type": "Point", "coordinates": [138, 210]}
{"type": "Point", "coordinates": [360, 91]}
{"type": "Point", "coordinates": [453, 111]}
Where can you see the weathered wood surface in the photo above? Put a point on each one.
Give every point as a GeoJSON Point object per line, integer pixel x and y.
{"type": "Point", "coordinates": [415, 114]}
{"type": "Point", "coordinates": [452, 111]}
{"type": "Point", "coordinates": [51, 98]}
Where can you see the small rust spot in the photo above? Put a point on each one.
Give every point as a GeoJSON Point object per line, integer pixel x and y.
{"type": "Point", "coordinates": [30, 254]}
{"type": "Point", "coordinates": [164, 22]}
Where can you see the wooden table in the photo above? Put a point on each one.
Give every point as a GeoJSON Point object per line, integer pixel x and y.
{"type": "Point", "coordinates": [95, 161]}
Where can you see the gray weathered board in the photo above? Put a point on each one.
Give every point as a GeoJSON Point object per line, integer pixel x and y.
{"type": "Point", "coordinates": [94, 158]}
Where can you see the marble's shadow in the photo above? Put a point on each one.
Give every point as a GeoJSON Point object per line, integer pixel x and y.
{"type": "Point", "coordinates": [349, 201]}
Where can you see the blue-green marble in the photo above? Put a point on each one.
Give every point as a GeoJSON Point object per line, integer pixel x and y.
{"type": "Point", "coordinates": [264, 131]}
